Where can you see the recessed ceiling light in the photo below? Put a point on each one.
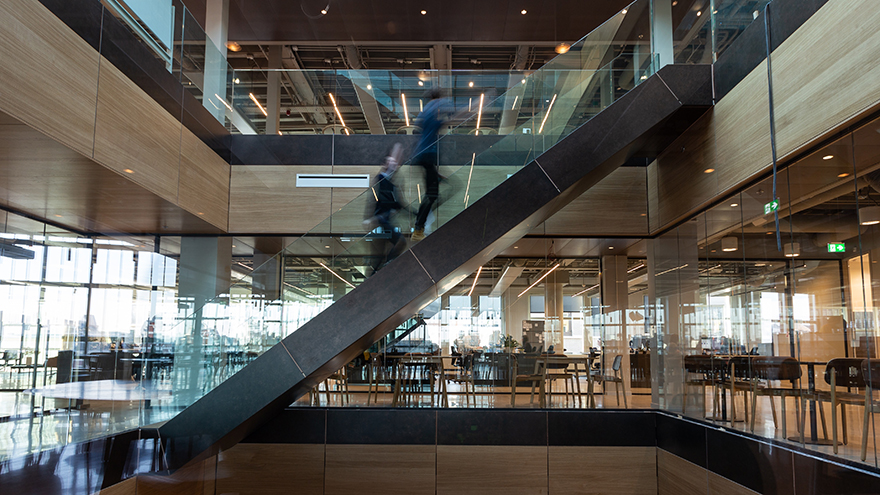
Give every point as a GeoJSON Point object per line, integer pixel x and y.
{"type": "Point", "coordinates": [129, 171]}
{"type": "Point", "coordinates": [236, 80]}
{"type": "Point", "coordinates": [699, 13]}
{"type": "Point", "coordinates": [523, 12]}
{"type": "Point", "coordinates": [843, 175]}
{"type": "Point", "coordinates": [201, 213]}
{"type": "Point", "coordinates": [328, 247]}
{"type": "Point", "coordinates": [610, 247]}
{"type": "Point", "coordinates": [623, 11]}
{"type": "Point", "coordinates": [827, 157]}
{"type": "Point", "coordinates": [708, 170]}
{"type": "Point", "coordinates": [424, 12]}
{"type": "Point", "coordinates": [515, 247]}
{"type": "Point", "coordinates": [59, 216]}
{"type": "Point", "coordinates": [562, 48]}
{"type": "Point", "coordinates": [643, 214]}
{"type": "Point", "coordinates": [421, 83]}
{"type": "Point", "coordinates": [734, 205]}
{"type": "Point", "coordinates": [323, 11]}
{"type": "Point", "coordinates": [471, 84]}
{"type": "Point", "coordinates": [369, 86]}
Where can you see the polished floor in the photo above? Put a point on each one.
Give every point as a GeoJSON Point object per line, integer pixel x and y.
{"type": "Point", "coordinates": [31, 422]}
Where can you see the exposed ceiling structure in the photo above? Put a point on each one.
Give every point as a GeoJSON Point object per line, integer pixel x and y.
{"type": "Point", "coordinates": [323, 37]}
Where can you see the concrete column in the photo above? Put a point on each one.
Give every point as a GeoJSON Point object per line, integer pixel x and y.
{"type": "Point", "coordinates": [661, 31]}
{"type": "Point", "coordinates": [673, 285]}
{"type": "Point", "coordinates": [205, 272]}
{"type": "Point", "coordinates": [553, 309]}
{"type": "Point", "coordinates": [273, 90]}
{"type": "Point", "coordinates": [615, 298]}
{"type": "Point", "coordinates": [267, 277]}
{"type": "Point", "coordinates": [216, 28]}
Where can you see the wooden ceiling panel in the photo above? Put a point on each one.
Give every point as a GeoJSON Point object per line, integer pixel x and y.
{"type": "Point", "coordinates": [45, 179]}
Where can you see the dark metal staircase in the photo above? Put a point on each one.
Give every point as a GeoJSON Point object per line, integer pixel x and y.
{"type": "Point", "coordinates": [641, 123]}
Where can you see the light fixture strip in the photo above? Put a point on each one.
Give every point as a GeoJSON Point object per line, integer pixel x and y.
{"type": "Point", "coordinates": [547, 114]}
{"type": "Point", "coordinates": [254, 98]}
{"type": "Point", "coordinates": [536, 282]}
{"type": "Point", "coordinates": [338, 114]}
{"type": "Point", "coordinates": [337, 275]}
{"type": "Point", "coordinates": [480, 110]}
{"type": "Point", "coordinates": [475, 281]}
{"type": "Point", "coordinates": [223, 101]}
{"type": "Point", "coordinates": [514, 102]}
{"type": "Point", "coordinates": [405, 111]}
{"type": "Point", "coordinates": [585, 290]}
{"type": "Point", "coordinates": [470, 174]}
{"type": "Point", "coordinates": [637, 267]}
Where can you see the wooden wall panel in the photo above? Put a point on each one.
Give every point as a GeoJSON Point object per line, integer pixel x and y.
{"type": "Point", "coordinates": [386, 469]}
{"type": "Point", "coordinates": [617, 205]}
{"type": "Point", "coordinates": [49, 74]}
{"type": "Point", "coordinates": [676, 476]}
{"type": "Point", "coordinates": [266, 469]}
{"type": "Point", "coordinates": [194, 479]}
{"type": "Point", "coordinates": [126, 487]}
{"type": "Point", "coordinates": [349, 204]}
{"type": "Point", "coordinates": [134, 132]}
{"type": "Point", "coordinates": [489, 470]}
{"type": "Point", "coordinates": [826, 73]}
{"type": "Point", "coordinates": [204, 181]}
{"type": "Point", "coordinates": [719, 485]}
{"type": "Point", "coordinates": [733, 139]}
{"type": "Point", "coordinates": [599, 470]}
{"type": "Point", "coordinates": [264, 199]}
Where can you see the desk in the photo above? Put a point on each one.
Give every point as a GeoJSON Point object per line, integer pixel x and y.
{"type": "Point", "coordinates": [110, 390]}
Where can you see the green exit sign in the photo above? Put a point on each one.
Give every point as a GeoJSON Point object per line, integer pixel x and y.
{"type": "Point", "coordinates": [771, 206]}
{"type": "Point", "coordinates": [836, 247]}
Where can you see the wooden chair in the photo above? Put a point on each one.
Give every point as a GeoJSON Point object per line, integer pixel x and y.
{"type": "Point", "coordinates": [700, 371]}
{"type": "Point", "coordinates": [458, 370]}
{"type": "Point", "coordinates": [535, 378]}
{"type": "Point", "coordinates": [775, 368]}
{"type": "Point", "coordinates": [846, 373]}
{"type": "Point", "coordinates": [616, 378]}
{"type": "Point", "coordinates": [556, 368]}
{"type": "Point", "coordinates": [871, 374]}
{"type": "Point", "coordinates": [741, 379]}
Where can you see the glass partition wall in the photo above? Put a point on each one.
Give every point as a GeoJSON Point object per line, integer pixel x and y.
{"type": "Point", "coordinates": [768, 323]}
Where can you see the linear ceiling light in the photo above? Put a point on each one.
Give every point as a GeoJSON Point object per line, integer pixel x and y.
{"type": "Point", "coordinates": [475, 281]}
{"type": "Point", "coordinates": [470, 174]}
{"type": "Point", "coordinates": [536, 282]}
{"type": "Point", "coordinates": [480, 110]}
{"type": "Point", "coordinates": [636, 268]}
{"type": "Point", "coordinates": [547, 114]}
{"type": "Point", "coordinates": [514, 102]}
{"type": "Point", "coordinates": [405, 111]}
{"type": "Point", "coordinates": [337, 275]}
{"type": "Point", "coordinates": [254, 98]}
{"type": "Point", "coordinates": [585, 290]}
{"type": "Point", "coordinates": [222, 101]}
{"type": "Point", "coordinates": [338, 114]}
